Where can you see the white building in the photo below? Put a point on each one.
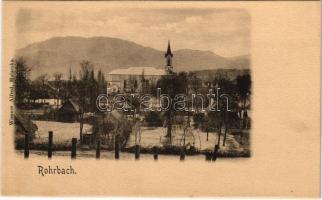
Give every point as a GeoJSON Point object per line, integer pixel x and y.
{"type": "Point", "coordinates": [134, 79]}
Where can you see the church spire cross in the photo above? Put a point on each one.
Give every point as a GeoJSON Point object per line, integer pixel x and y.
{"type": "Point", "coordinates": [169, 53]}
{"type": "Point", "coordinates": [168, 57]}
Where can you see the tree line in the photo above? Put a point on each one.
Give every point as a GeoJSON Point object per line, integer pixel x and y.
{"type": "Point", "coordinates": [239, 90]}
{"type": "Point", "coordinates": [83, 87]}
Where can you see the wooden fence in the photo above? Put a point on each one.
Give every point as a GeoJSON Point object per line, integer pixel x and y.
{"type": "Point", "coordinates": [210, 156]}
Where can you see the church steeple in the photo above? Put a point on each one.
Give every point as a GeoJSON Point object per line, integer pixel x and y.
{"type": "Point", "coordinates": [169, 53]}
{"type": "Point", "coordinates": [168, 57]}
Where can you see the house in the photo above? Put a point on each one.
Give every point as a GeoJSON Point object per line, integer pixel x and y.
{"type": "Point", "coordinates": [68, 112]}
{"type": "Point", "coordinates": [51, 102]}
{"type": "Point", "coordinates": [24, 126]}
{"type": "Point", "coordinates": [135, 79]}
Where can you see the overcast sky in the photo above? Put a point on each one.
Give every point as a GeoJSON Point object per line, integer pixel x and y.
{"type": "Point", "coordinates": [224, 31]}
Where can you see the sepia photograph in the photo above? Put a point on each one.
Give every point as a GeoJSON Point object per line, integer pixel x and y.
{"type": "Point", "coordinates": [163, 99]}
{"type": "Point", "coordinates": [174, 82]}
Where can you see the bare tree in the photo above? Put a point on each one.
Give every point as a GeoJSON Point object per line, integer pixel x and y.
{"type": "Point", "coordinates": [58, 84]}
{"type": "Point", "coordinates": [83, 89]}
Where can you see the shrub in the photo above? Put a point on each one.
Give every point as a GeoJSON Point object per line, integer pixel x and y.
{"type": "Point", "coordinates": [153, 119]}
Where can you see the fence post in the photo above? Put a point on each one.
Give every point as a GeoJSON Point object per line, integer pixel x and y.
{"type": "Point", "coordinates": [137, 152]}
{"type": "Point", "coordinates": [26, 149]}
{"type": "Point", "coordinates": [98, 149]}
{"type": "Point", "coordinates": [207, 134]}
{"type": "Point", "coordinates": [214, 156]}
{"type": "Point", "coordinates": [50, 144]}
{"type": "Point", "coordinates": [155, 153]}
{"type": "Point", "coordinates": [219, 134]}
{"type": "Point", "coordinates": [74, 142]}
{"type": "Point", "coordinates": [117, 147]}
{"type": "Point", "coordinates": [183, 153]}
{"type": "Point", "coordinates": [208, 156]}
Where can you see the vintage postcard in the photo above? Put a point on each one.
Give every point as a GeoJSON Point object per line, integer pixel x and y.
{"type": "Point", "coordinates": [158, 98]}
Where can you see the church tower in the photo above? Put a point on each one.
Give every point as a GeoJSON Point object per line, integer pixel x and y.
{"type": "Point", "coordinates": [168, 57]}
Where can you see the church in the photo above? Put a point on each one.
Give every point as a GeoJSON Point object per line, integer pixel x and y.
{"type": "Point", "coordinates": [135, 79]}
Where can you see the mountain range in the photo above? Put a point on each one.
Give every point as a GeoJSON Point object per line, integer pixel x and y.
{"type": "Point", "coordinates": [58, 54]}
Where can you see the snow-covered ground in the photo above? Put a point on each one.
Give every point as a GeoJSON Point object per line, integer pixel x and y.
{"type": "Point", "coordinates": [155, 136]}
{"type": "Point", "coordinates": [62, 132]}
{"type": "Point", "coordinates": [150, 136]}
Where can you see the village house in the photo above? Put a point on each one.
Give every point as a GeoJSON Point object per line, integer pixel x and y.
{"type": "Point", "coordinates": [69, 111]}
{"type": "Point", "coordinates": [24, 126]}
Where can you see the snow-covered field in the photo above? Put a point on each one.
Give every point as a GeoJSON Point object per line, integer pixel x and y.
{"type": "Point", "coordinates": [62, 132]}
{"type": "Point", "coordinates": [155, 136]}
{"type": "Point", "coordinates": [150, 136]}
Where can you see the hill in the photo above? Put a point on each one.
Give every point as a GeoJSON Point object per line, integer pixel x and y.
{"type": "Point", "coordinates": [58, 54]}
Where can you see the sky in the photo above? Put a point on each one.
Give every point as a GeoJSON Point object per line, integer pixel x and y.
{"type": "Point", "coordinates": [225, 32]}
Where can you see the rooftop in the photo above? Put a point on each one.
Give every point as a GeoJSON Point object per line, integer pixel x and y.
{"type": "Point", "coordinates": [149, 71]}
